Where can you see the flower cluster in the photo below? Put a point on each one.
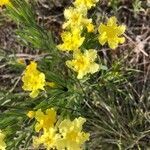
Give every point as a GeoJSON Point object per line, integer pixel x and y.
{"type": "Point", "coordinates": [58, 134]}
{"type": "Point", "coordinates": [33, 79]}
{"type": "Point", "coordinates": [2, 143]}
{"type": "Point", "coordinates": [76, 21]}
{"type": "Point", "coordinates": [4, 2]}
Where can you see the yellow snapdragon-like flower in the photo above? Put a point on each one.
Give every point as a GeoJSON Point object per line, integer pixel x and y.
{"type": "Point", "coordinates": [33, 80]}
{"type": "Point", "coordinates": [111, 33]}
{"type": "Point", "coordinates": [45, 121]}
{"type": "Point", "coordinates": [73, 137]}
{"type": "Point", "coordinates": [87, 3]}
{"type": "Point", "coordinates": [2, 143]}
{"type": "Point", "coordinates": [4, 2]}
{"type": "Point", "coordinates": [48, 139]}
{"type": "Point", "coordinates": [83, 63]}
{"type": "Point", "coordinates": [76, 18]}
{"type": "Point", "coordinates": [71, 40]}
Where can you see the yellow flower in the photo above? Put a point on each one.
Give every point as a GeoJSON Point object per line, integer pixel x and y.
{"type": "Point", "coordinates": [4, 2]}
{"type": "Point", "coordinates": [87, 3]}
{"type": "Point", "coordinates": [73, 137]}
{"type": "Point", "coordinates": [2, 143]}
{"type": "Point", "coordinates": [76, 18]}
{"type": "Point", "coordinates": [48, 139]}
{"type": "Point", "coordinates": [111, 33]}
{"type": "Point", "coordinates": [45, 121]}
{"type": "Point", "coordinates": [33, 80]}
{"type": "Point", "coordinates": [83, 63]}
{"type": "Point", "coordinates": [31, 114]}
{"type": "Point", "coordinates": [71, 40]}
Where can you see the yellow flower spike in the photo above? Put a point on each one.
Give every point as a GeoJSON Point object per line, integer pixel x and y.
{"type": "Point", "coordinates": [83, 63]}
{"type": "Point", "coordinates": [45, 121]}
{"type": "Point", "coordinates": [33, 80]}
{"type": "Point", "coordinates": [87, 3]}
{"type": "Point", "coordinates": [31, 114]}
{"type": "Point", "coordinates": [111, 33]}
{"type": "Point", "coordinates": [71, 40]}
{"type": "Point", "coordinates": [72, 134]}
{"type": "Point", "coordinates": [4, 2]}
{"type": "Point", "coordinates": [2, 143]}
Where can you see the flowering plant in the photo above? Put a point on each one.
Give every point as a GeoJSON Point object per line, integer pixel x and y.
{"type": "Point", "coordinates": [69, 93]}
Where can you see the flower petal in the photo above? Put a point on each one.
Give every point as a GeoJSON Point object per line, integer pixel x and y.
{"type": "Point", "coordinates": [94, 68]}
{"type": "Point", "coordinates": [121, 29]}
{"type": "Point", "coordinates": [91, 54]}
{"type": "Point", "coordinates": [112, 21]}
{"type": "Point", "coordinates": [102, 28]}
{"type": "Point", "coordinates": [102, 38]}
{"type": "Point", "coordinates": [113, 44]}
